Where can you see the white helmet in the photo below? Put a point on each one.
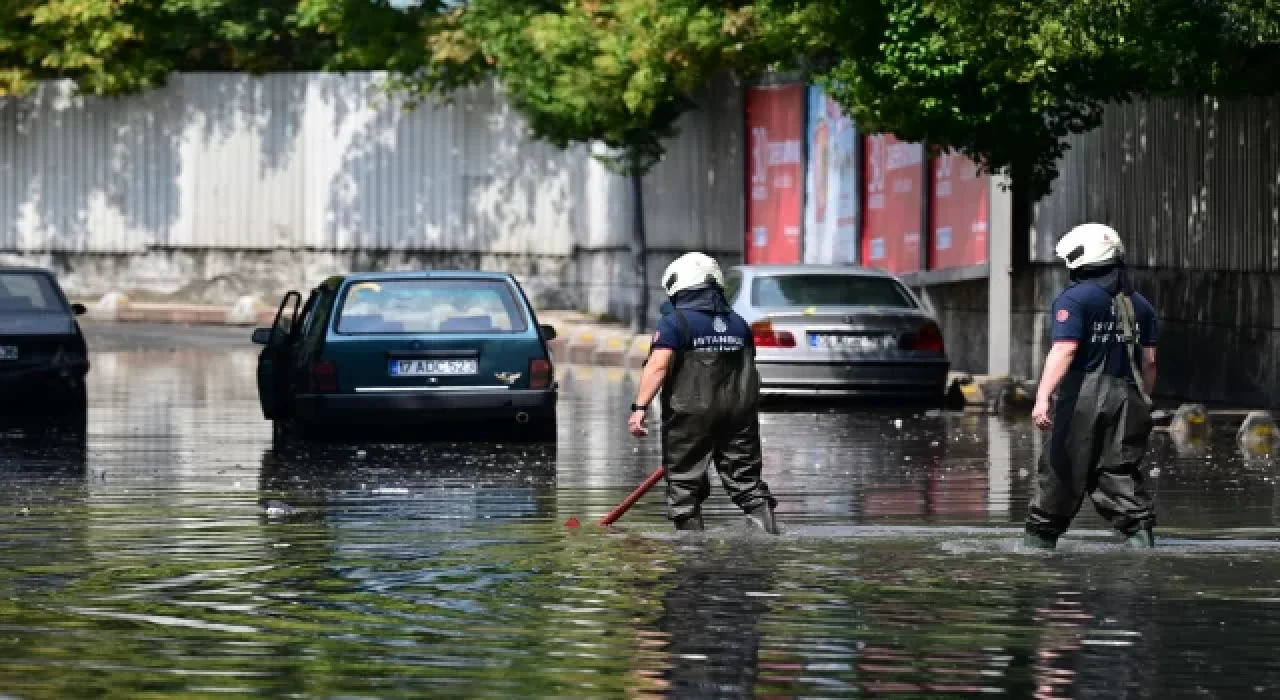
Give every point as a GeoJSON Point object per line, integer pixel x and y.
{"type": "Point", "coordinates": [691, 270]}
{"type": "Point", "coordinates": [1088, 245]}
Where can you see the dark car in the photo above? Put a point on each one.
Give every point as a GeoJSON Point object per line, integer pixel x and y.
{"type": "Point", "coordinates": [418, 354]}
{"type": "Point", "coordinates": [43, 357]}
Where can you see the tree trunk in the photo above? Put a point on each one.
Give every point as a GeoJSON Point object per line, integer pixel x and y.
{"type": "Point", "coordinates": [639, 255]}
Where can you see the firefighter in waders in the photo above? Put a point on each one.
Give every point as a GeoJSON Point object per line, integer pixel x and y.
{"type": "Point", "coordinates": [1102, 365]}
{"type": "Point", "coordinates": [703, 362]}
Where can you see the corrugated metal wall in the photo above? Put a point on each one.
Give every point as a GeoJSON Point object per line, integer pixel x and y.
{"type": "Point", "coordinates": [693, 198]}
{"type": "Point", "coordinates": [1191, 184]}
{"type": "Point", "coordinates": [87, 174]}
{"type": "Point", "coordinates": [332, 162]}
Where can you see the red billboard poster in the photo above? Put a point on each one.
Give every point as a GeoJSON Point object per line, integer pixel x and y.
{"type": "Point", "coordinates": [961, 201]}
{"type": "Point", "coordinates": [775, 128]}
{"type": "Point", "coordinates": [891, 224]}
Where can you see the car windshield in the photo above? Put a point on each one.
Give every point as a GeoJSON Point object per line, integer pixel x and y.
{"type": "Point", "coordinates": [430, 306]}
{"type": "Point", "coordinates": [828, 290]}
{"type": "Point", "coordinates": [27, 291]}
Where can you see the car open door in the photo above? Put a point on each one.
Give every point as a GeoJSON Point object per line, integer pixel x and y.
{"type": "Point", "coordinates": [273, 361]}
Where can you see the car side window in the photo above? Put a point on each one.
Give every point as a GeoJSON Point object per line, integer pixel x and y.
{"type": "Point", "coordinates": [318, 321]}
{"type": "Point", "coordinates": [732, 285]}
{"type": "Point", "coordinates": [305, 316]}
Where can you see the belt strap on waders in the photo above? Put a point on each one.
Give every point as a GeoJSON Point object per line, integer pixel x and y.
{"type": "Point", "coordinates": [1132, 348]}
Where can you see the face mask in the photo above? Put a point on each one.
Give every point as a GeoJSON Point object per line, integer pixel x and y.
{"type": "Point", "coordinates": [666, 308]}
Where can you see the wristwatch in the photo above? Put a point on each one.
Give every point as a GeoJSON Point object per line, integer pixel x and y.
{"type": "Point", "coordinates": [637, 407]}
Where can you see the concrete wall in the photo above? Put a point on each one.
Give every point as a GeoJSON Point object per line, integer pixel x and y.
{"type": "Point", "coordinates": [221, 185]}
{"type": "Point", "coordinates": [962, 312]}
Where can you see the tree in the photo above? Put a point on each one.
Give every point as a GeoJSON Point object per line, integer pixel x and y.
{"type": "Point", "coordinates": [616, 72]}
{"type": "Point", "coordinates": [1006, 81]}
{"type": "Point", "coordinates": [117, 47]}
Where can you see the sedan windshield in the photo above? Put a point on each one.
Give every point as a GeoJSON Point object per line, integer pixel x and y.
{"type": "Point", "coordinates": [25, 291]}
{"type": "Point", "coordinates": [430, 306]}
{"type": "Point", "coordinates": [829, 290]}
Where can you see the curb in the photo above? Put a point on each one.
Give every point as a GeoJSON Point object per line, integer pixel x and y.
{"type": "Point", "coordinates": [247, 311]}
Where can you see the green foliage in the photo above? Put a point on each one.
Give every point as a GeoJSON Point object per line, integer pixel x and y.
{"type": "Point", "coordinates": [1005, 81]}
{"type": "Point", "coordinates": [619, 72]}
{"type": "Point", "coordinates": [114, 47]}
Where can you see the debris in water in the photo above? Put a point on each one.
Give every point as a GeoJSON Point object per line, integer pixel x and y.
{"type": "Point", "coordinates": [280, 508]}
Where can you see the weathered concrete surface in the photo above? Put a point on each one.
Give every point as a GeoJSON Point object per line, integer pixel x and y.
{"type": "Point", "coordinates": [580, 338]}
{"type": "Point", "coordinates": [962, 313]}
{"type": "Point", "coordinates": [221, 277]}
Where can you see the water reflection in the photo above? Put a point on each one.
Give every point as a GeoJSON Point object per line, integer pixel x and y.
{"type": "Point", "coordinates": [145, 560]}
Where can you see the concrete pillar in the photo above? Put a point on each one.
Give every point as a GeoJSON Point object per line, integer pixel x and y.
{"type": "Point", "coordinates": [1000, 279]}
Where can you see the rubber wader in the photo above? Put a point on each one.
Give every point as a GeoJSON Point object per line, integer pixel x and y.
{"type": "Point", "coordinates": [709, 411]}
{"type": "Point", "coordinates": [1101, 425]}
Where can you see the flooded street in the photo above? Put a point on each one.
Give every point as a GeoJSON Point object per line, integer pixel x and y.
{"type": "Point", "coordinates": [175, 554]}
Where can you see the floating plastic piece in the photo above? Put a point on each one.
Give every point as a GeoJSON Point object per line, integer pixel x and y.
{"type": "Point", "coordinates": [1258, 434]}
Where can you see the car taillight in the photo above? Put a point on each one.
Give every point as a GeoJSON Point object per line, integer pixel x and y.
{"type": "Point", "coordinates": [324, 376]}
{"type": "Point", "coordinates": [764, 336]}
{"type": "Point", "coordinates": [540, 374]}
{"type": "Point", "coordinates": [927, 339]}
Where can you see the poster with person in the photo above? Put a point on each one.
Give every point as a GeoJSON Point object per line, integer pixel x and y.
{"type": "Point", "coordinates": [831, 184]}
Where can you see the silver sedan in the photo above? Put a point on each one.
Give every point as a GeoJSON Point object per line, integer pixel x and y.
{"type": "Point", "coordinates": [839, 331]}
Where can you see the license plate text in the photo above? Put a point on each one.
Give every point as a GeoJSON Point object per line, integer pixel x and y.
{"type": "Point", "coordinates": [854, 343]}
{"type": "Point", "coordinates": [427, 368]}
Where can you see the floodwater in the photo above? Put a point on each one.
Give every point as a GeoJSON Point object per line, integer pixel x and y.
{"type": "Point", "coordinates": [174, 554]}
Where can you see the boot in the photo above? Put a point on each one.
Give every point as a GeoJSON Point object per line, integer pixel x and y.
{"type": "Point", "coordinates": [1037, 541]}
{"type": "Point", "coordinates": [761, 518]}
{"type": "Point", "coordinates": [1142, 539]}
{"type": "Point", "coordinates": [691, 523]}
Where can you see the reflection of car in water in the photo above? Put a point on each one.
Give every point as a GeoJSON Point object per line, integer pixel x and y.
{"type": "Point", "coordinates": [43, 357]}
{"type": "Point", "coordinates": [821, 330]}
{"type": "Point", "coordinates": [374, 483]}
{"type": "Point", "coordinates": [416, 353]}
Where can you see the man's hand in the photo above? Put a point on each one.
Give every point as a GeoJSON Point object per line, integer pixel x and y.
{"type": "Point", "coordinates": [1040, 414]}
{"type": "Point", "coordinates": [636, 424]}
{"type": "Point", "coordinates": [1055, 368]}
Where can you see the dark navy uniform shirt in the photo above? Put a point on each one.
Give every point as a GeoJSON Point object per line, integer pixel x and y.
{"type": "Point", "coordinates": [1084, 313]}
{"type": "Point", "coordinates": [708, 332]}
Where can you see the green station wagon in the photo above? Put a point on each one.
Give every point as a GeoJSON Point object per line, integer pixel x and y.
{"type": "Point", "coordinates": [415, 353]}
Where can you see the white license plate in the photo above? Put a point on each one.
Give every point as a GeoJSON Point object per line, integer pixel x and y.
{"type": "Point", "coordinates": [427, 368]}
{"type": "Point", "coordinates": [849, 343]}
{"type": "Point", "coordinates": [8, 352]}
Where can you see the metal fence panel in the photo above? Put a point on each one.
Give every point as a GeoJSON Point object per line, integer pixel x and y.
{"type": "Point", "coordinates": [80, 174]}
{"type": "Point", "coordinates": [1191, 184]}
{"type": "Point", "coordinates": [462, 177]}
{"type": "Point", "coordinates": [333, 162]}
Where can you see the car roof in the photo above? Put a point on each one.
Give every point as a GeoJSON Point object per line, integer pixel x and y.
{"type": "Point", "coordinates": [814, 270]}
{"type": "Point", "coordinates": [425, 274]}
{"type": "Point", "coordinates": [25, 270]}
